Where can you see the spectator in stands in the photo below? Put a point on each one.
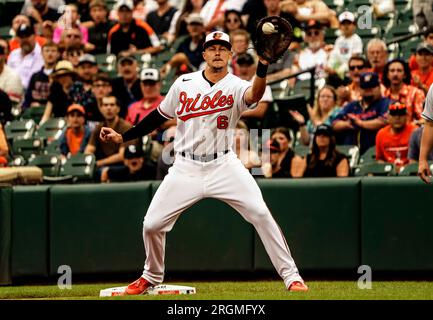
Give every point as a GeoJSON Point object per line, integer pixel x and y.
{"type": "Point", "coordinates": [392, 141]}
{"type": "Point", "coordinates": [232, 21]}
{"type": "Point", "coordinates": [127, 88]}
{"type": "Point", "coordinates": [240, 40]}
{"type": "Point", "coordinates": [305, 10]}
{"type": "Point", "coordinates": [357, 65]}
{"type": "Point", "coordinates": [346, 45]}
{"type": "Point", "coordinates": [428, 39]}
{"type": "Point", "coordinates": [314, 55]}
{"type": "Point", "coordinates": [108, 154]}
{"type": "Point", "coordinates": [10, 81]}
{"type": "Point", "coordinates": [213, 14]}
{"type": "Point", "coordinates": [131, 35]}
{"type": "Point", "coordinates": [397, 79]}
{"type": "Point", "coordinates": [39, 86]}
{"type": "Point", "coordinates": [81, 90]}
{"type": "Point", "coordinates": [73, 54]}
{"type": "Point", "coordinates": [358, 122]}
{"type": "Point", "coordinates": [178, 26]}
{"type": "Point", "coordinates": [253, 118]}
{"type": "Point", "coordinates": [189, 54]}
{"type": "Point", "coordinates": [101, 87]}
{"type": "Point", "coordinates": [166, 158]}
{"type": "Point", "coordinates": [5, 108]}
{"type": "Point", "coordinates": [160, 18]}
{"type": "Point", "coordinates": [84, 11]}
{"type": "Point", "coordinates": [70, 19]}
{"type": "Point", "coordinates": [135, 167]}
{"type": "Point", "coordinates": [324, 159]}
{"type": "Point", "coordinates": [242, 146]}
{"type": "Point", "coordinates": [423, 77]}
{"type": "Point", "coordinates": [324, 111]}
{"type": "Point", "coordinates": [422, 13]}
{"type": "Point", "coordinates": [415, 146]}
{"type": "Point", "coordinates": [20, 19]}
{"type": "Point", "coordinates": [140, 11]}
{"type": "Point", "coordinates": [98, 33]}
{"type": "Point", "coordinates": [4, 148]}
{"type": "Point", "coordinates": [377, 55]}
{"type": "Point", "coordinates": [28, 58]}
{"type": "Point", "coordinates": [43, 15]}
{"type": "Point", "coordinates": [150, 87]}
{"type": "Point", "coordinates": [76, 135]}
{"type": "Point", "coordinates": [60, 98]}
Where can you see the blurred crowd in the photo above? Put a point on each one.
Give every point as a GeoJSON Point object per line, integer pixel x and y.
{"type": "Point", "coordinates": [95, 63]}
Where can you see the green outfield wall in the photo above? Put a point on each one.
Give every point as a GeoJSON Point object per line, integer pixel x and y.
{"type": "Point", "coordinates": [329, 224]}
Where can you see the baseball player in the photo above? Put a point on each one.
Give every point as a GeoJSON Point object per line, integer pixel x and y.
{"type": "Point", "coordinates": [207, 105]}
{"type": "Point", "coordinates": [427, 138]}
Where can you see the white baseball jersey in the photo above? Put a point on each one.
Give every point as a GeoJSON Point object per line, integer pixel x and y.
{"type": "Point", "coordinates": [207, 114]}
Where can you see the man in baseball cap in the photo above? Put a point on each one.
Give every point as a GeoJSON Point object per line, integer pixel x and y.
{"type": "Point", "coordinates": [87, 68]}
{"type": "Point", "coordinates": [77, 134]}
{"type": "Point", "coordinates": [217, 37]}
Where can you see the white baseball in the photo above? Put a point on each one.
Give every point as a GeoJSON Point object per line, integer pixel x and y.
{"type": "Point", "coordinates": [268, 28]}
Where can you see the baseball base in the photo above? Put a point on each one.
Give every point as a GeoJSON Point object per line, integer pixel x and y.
{"type": "Point", "coordinates": [159, 289]}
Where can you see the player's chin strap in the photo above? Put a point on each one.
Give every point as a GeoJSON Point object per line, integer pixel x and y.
{"type": "Point", "coordinates": [262, 70]}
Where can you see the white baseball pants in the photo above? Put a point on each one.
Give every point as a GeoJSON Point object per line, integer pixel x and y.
{"type": "Point", "coordinates": [226, 179]}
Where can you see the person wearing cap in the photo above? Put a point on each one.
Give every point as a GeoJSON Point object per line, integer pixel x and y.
{"type": "Point", "coordinates": [314, 55]}
{"type": "Point", "coordinates": [247, 69]}
{"type": "Point", "coordinates": [189, 51]}
{"type": "Point", "coordinates": [87, 68]}
{"type": "Point", "coordinates": [357, 65]}
{"type": "Point", "coordinates": [101, 87]}
{"type": "Point", "coordinates": [358, 122]}
{"type": "Point", "coordinates": [151, 88]}
{"type": "Point", "coordinates": [28, 58]}
{"type": "Point", "coordinates": [59, 98]}
{"type": "Point", "coordinates": [127, 87]}
{"type": "Point", "coordinates": [392, 141]}
{"type": "Point", "coordinates": [39, 86]}
{"type": "Point", "coordinates": [207, 105]}
{"type": "Point", "coordinates": [101, 26]}
{"type": "Point", "coordinates": [76, 135]}
{"type": "Point", "coordinates": [428, 39]}
{"type": "Point", "coordinates": [135, 168]}
{"type": "Point", "coordinates": [160, 18]}
{"type": "Point", "coordinates": [324, 160]}
{"type": "Point", "coordinates": [346, 45]}
{"type": "Point", "coordinates": [397, 80]}
{"type": "Point", "coordinates": [10, 81]}
{"type": "Point", "coordinates": [377, 55]}
{"type": "Point", "coordinates": [18, 20]}
{"type": "Point", "coordinates": [423, 77]}
{"type": "Point", "coordinates": [131, 34]}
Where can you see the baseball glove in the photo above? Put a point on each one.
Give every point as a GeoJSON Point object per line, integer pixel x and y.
{"type": "Point", "coordinates": [273, 36]}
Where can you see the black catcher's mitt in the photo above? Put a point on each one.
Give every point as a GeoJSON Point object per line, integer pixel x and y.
{"type": "Point", "coordinates": [273, 36]}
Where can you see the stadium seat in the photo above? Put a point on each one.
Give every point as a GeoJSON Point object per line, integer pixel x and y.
{"type": "Point", "coordinates": [23, 129]}
{"type": "Point", "coordinates": [303, 87]}
{"type": "Point", "coordinates": [412, 169]}
{"type": "Point", "coordinates": [351, 152]}
{"type": "Point", "coordinates": [17, 161]}
{"type": "Point", "coordinates": [27, 147]}
{"type": "Point", "coordinates": [49, 163]}
{"type": "Point", "coordinates": [51, 129]}
{"type": "Point", "coordinates": [34, 113]}
{"type": "Point", "coordinates": [52, 147]}
{"type": "Point", "coordinates": [4, 32]}
{"type": "Point", "coordinates": [368, 156]}
{"type": "Point", "coordinates": [401, 29]}
{"type": "Point", "coordinates": [375, 169]}
{"type": "Point", "coordinates": [331, 35]}
{"type": "Point", "coordinates": [80, 167]}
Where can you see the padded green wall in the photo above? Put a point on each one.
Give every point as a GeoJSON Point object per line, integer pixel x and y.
{"type": "Point", "coordinates": [5, 234]}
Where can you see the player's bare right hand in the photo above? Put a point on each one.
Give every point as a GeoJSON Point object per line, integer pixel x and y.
{"type": "Point", "coordinates": [109, 135]}
{"type": "Point", "coordinates": [424, 171]}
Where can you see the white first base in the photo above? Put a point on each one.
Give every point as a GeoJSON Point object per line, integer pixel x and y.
{"type": "Point", "coordinates": [159, 289]}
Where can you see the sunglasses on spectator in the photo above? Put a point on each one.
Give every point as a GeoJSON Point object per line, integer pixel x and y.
{"type": "Point", "coordinates": [75, 36]}
{"type": "Point", "coordinates": [313, 33]}
{"type": "Point", "coordinates": [232, 20]}
{"type": "Point", "coordinates": [352, 68]}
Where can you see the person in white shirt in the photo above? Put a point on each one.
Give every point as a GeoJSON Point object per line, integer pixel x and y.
{"type": "Point", "coordinates": [346, 45]}
{"type": "Point", "coordinates": [10, 81]}
{"type": "Point", "coordinates": [28, 58]}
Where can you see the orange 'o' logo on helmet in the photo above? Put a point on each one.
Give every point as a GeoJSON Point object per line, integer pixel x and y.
{"type": "Point", "coordinates": [217, 35]}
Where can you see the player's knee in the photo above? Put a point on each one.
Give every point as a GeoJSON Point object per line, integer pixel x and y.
{"type": "Point", "coordinates": [260, 215]}
{"type": "Point", "coordinates": [150, 227]}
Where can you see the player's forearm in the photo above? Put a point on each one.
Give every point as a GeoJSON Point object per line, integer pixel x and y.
{"type": "Point", "coordinates": [153, 121]}
{"type": "Point", "coordinates": [426, 141]}
{"type": "Point", "coordinates": [255, 93]}
{"type": "Point", "coordinates": [115, 158]}
{"type": "Point", "coordinates": [375, 124]}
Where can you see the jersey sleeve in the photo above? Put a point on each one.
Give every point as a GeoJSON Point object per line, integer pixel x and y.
{"type": "Point", "coordinates": [428, 107]}
{"type": "Point", "coordinates": [240, 95]}
{"type": "Point", "coordinates": [167, 107]}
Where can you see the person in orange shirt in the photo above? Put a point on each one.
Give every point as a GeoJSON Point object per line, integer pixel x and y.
{"type": "Point", "coordinates": [397, 79]}
{"type": "Point", "coordinates": [77, 134]}
{"type": "Point", "coordinates": [392, 141]}
{"type": "Point", "coordinates": [423, 77]}
{"type": "Point", "coordinates": [16, 22]}
{"type": "Point", "coordinates": [428, 38]}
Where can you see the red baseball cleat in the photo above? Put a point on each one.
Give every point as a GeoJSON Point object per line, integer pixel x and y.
{"type": "Point", "coordinates": [139, 286]}
{"type": "Point", "coordinates": [298, 286]}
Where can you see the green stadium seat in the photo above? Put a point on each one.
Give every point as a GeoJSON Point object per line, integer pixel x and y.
{"type": "Point", "coordinates": [17, 161]}
{"type": "Point", "coordinates": [351, 152]}
{"type": "Point", "coordinates": [401, 29]}
{"type": "Point", "coordinates": [303, 87]}
{"type": "Point", "coordinates": [375, 169]}
{"type": "Point", "coordinates": [51, 129]}
{"type": "Point", "coordinates": [49, 163]}
{"type": "Point", "coordinates": [368, 156]}
{"type": "Point", "coordinates": [331, 35]}
{"type": "Point", "coordinates": [27, 147]}
{"type": "Point", "coordinates": [20, 129]}
{"type": "Point", "coordinates": [34, 113]}
{"type": "Point", "coordinates": [80, 167]}
{"type": "Point", "coordinates": [412, 169]}
{"type": "Point", "coordinates": [52, 147]}
{"type": "Point", "coordinates": [4, 32]}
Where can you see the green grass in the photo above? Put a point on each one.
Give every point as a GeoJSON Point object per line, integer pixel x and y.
{"type": "Point", "coordinates": [251, 290]}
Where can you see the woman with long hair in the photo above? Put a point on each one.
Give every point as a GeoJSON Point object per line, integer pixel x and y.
{"type": "Point", "coordinates": [324, 159]}
{"type": "Point", "coordinates": [232, 21]}
{"type": "Point", "coordinates": [324, 111]}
